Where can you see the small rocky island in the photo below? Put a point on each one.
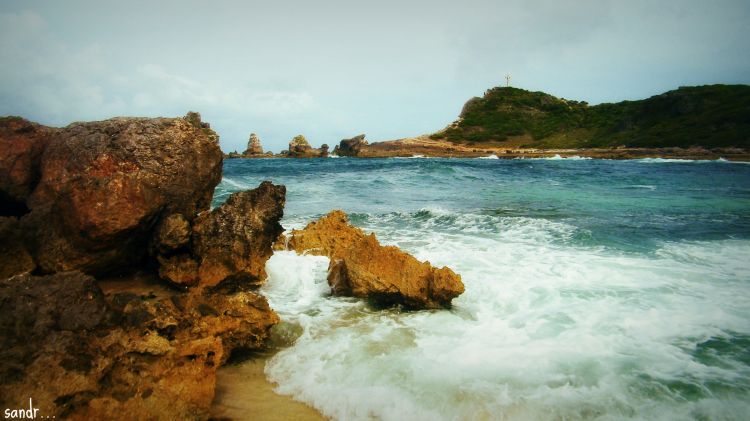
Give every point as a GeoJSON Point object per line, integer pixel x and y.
{"type": "Point", "coordinates": [122, 291]}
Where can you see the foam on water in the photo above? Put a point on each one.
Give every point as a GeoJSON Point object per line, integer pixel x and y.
{"type": "Point", "coordinates": [683, 161]}
{"type": "Point", "coordinates": [595, 289]}
{"type": "Point", "coordinates": [545, 330]}
{"type": "Point", "coordinates": [493, 156]}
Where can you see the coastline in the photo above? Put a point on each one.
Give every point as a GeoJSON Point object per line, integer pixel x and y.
{"type": "Point", "coordinates": [423, 146]}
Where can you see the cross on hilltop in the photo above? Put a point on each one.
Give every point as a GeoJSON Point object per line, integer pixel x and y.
{"type": "Point", "coordinates": [507, 80]}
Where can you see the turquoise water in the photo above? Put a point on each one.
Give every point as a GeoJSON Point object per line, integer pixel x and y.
{"type": "Point", "coordinates": [595, 289]}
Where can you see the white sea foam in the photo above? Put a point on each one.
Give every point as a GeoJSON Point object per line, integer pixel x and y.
{"type": "Point", "coordinates": [544, 330]}
{"type": "Point", "coordinates": [493, 156]}
{"type": "Point", "coordinates": [683, 161]}
{"type": "Point", "coordinates": [556, 157]}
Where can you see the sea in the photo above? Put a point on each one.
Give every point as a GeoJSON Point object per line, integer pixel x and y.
{"type": "Point", "coordinates": [595, 289]}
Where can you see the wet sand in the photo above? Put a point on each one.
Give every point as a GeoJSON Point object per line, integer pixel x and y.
{"type": "Point", "coordinates": [244, 393]}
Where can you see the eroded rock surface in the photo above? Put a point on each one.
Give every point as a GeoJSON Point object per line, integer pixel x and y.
{"type": "Point", "coordinates": [83, 355]}
{"type": "Point", "coordinates": [361, 267]}
{"type": "Point", "coordinates": [21, 145]}
{"type": "Point", "coordinates": [96, 190]}
{"type": "Point", "coordinates": [235, 240]}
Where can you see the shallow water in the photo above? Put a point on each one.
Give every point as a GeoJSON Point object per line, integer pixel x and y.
{"type": "Point", "coordinates": [595, 289]}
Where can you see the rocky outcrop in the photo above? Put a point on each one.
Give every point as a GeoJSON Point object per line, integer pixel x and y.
{"type": "Point", "coordinates": [84, 355]}
{"type": "Point", "coordinates": [299, 147]}
{"type": "Point", "coordinates": [125, 196]}
{"type": "Point", "coordinates": [324, 150]}
{"type": "Point", "coordinates": [361, 267]}
{"type": "Point", "coordinates": [351, 147]}
{"type": "Point", "coordinates": [21, 145]}
{"type": "Point", "coordinates": [101, 187]}
{"type": "Point", "coordinates": [230, 244]}
{"type": "Point", "coordinates": [253, 146]}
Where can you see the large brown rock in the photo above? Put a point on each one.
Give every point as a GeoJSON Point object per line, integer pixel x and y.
{"type": "Point", "coordinates": [351, 147]}
{"type": "Point", "coordinates": [21, 145]}
{"type": "Point", "coordinates": [361, 267]}
{"type": "Point", "coordinates": [103, 186]}
{"type": "Point", "coordinates": [127, 355]}
{"type": "Point", "coordinates": [232, 242]}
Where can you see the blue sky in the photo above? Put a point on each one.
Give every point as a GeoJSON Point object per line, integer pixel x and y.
{"type": "Point", "coordinates": [334, 69]}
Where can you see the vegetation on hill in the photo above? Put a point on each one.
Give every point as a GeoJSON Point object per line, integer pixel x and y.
{"type": "Point", "coordinates": [707, 116]}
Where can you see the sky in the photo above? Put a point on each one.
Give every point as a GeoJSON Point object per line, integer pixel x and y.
{"type": "Point", "coordinates": [334, 69]}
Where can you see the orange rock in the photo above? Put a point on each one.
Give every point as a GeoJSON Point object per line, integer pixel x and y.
{"type": "Point", "coordinates": [361, 267]}
{"type": "Point", "coordinates": [83, 354]}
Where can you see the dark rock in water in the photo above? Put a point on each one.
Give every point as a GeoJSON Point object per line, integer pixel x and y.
{"type": "Point", "coordinates": [361, 267]}
{"type": "Point", "coordinates": [83, 355]}
{"type": "Point", "coordinates": [103, 186]}
{"type": "Point", "coordinates": [231, 243]}
{"type": "Point", "coordinates": [235, 239]}
{"type": "Point", "coordinates": [351, 147]}
{"type": "Point", "coordinates": [21, 145]}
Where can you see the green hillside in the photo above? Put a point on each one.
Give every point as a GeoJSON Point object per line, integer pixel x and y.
{"type": "Point", "coordinates": [708, 116]}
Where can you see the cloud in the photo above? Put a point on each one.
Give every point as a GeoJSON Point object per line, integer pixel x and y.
{"type": "Point", "coordinates": [334, 68]}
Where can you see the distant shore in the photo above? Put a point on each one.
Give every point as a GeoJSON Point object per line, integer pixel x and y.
{"type": "Point", "coordinates": [429, 148]}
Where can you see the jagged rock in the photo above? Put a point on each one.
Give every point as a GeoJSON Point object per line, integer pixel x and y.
{"type": "Point", "coordinates": [232, 242]}
{"type": "Point", "coordinates": [253, 146]}
{"type": "Point", "coordinates": [83, 356]}
{"type": "Point", "coordinates": [21, 145]}
{"type": "Point", "coordinates": [351, 147]}
{"type": "Point", "coordinates": [103, 186]}
{"type": "Point", "coordinates": [173, 233]}
{"type": "Point", "coordinates": [361, 267]}
{"type": "Point", "coordinates": [299, 146]}
{"type": "Point", "coordinates": [324, 150]}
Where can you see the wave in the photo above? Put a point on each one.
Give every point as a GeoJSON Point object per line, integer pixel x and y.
{"type": "Point", "coordinates": [684, 161]}
{"type": "Point", "coordinates": [493, 156]}
{"type": "Point", "coordinates": [557, 157]}
{"type": "Point", "coordinates": [541, 332]}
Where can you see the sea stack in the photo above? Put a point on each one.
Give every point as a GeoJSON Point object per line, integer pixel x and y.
{"type": "Point", "coordinates": [254, 147]}
{"type": "Point", "coordinates": [299, 146]}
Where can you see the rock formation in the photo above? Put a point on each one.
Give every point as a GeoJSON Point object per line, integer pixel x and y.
{"type": "Point", "coordinates": [82, 355]}
{"type": "Point", "coordinates": [299, 146]}
{"type": "Point", "coordinates": [125, 197]}
{"type": "Point", "coordinates": [324, 150]}
{"type": "Point", "coordinates": [253, 146]}
{"type": "Point", "coordinates": [226, 244]}
{"type": "Point", "coordinates": [102, 186]}
{"type": "Point", "coordinates": [21, 145]}
{"type": "Point", "coordinates": [361, 267]}
{"type": "Point", "coordinates": [351, 147]}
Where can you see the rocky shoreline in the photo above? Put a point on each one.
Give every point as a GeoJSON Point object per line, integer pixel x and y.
{"type": "Point", "coordinates": [424, 146]}
{"type": "Point", "coordinates": [122, 292]}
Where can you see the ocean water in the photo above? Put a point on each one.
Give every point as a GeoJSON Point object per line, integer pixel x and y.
{"type": "Point", "coordinates": [595, 289]}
